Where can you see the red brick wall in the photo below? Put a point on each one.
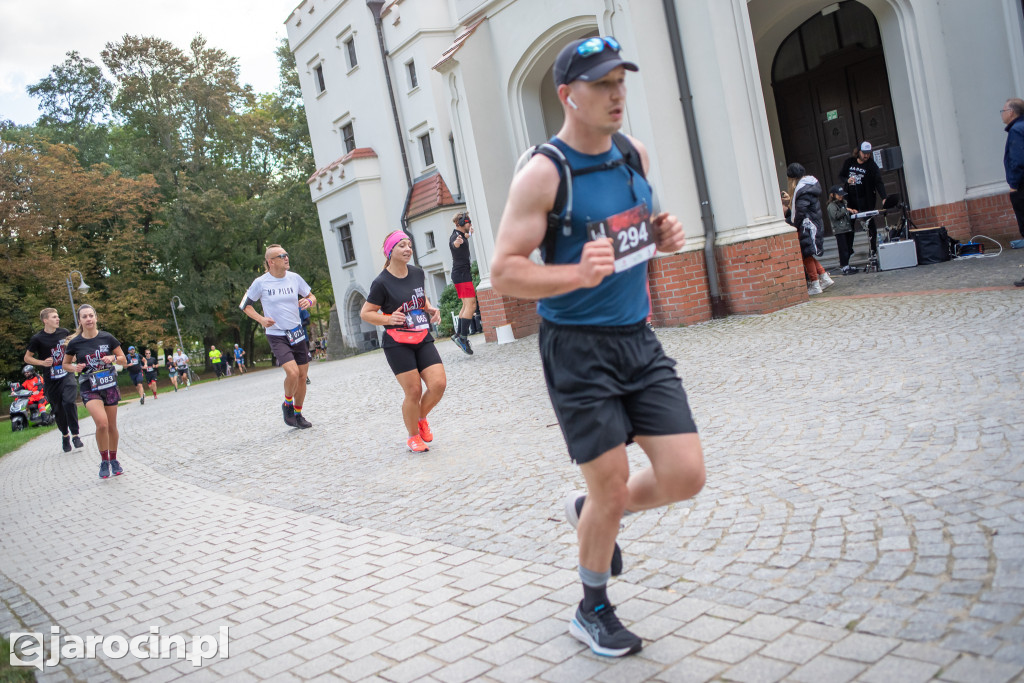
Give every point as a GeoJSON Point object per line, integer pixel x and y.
{"type": "Point", "coordinates": [496, 311]}
{"type": "Point", "coordinates": [990, 216]}
{"type": "Point", "coordinates": [763, 275]}
{"type": "Point", "coordinates": [679, 290]}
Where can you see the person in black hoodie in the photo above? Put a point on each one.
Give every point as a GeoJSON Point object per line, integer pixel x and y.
{"type": "Point", "coordinates": [805, 216]}
{"type": "Point", "coordinates": [862, 179]}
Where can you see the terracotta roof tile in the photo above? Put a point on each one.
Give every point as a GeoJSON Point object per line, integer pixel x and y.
{"type": "Point", "coordinates": [459, 40]}
{"type": "Point", "coordinates": [357, 153]}
{"type": "Point", "coordinates": [428, 194]}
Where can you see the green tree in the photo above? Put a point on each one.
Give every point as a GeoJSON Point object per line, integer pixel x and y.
{"type": "Point", "coordinates": [75, 103]}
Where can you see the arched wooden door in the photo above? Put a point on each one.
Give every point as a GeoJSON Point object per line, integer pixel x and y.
{"type": "Point", "coordinates": [832, 92]}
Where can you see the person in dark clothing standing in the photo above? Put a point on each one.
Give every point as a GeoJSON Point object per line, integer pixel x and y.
{"type": "Point", "coordinates": [862, 179]}
{"type": "Point", "coordinates": [1013, 163]}
{"type": "Point", "coordinates": [805, 216]}
{"type": "Point", "coordinates": [46, 350]}
{"type": "Point", "coordinates": [462, 278]}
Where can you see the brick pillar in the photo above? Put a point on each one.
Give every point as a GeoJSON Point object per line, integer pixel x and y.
{"type": "Point", "coordinates": [679, 289]}
{"type": "Point", "coordinates": [497, 310]}
{"type": "Point", "coordinates": [762, 275]}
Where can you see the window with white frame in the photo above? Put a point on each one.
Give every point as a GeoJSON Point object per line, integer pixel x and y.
{"type": "Point", "coordinates": [348, 137]}
{"type": "Point", "coordinates": [350, 52]}
{"type": "Point", "coordinates": [318, 78]}
{"type": "Point", "coordinates": [410, 70]}
{"type": "Point", "coordinates": [428, 153]}
{"type": "Point", "coordinates": [343, 228]}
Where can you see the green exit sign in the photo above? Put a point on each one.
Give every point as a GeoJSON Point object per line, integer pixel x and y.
{"type": "Point", "coordinates": [832, 115]}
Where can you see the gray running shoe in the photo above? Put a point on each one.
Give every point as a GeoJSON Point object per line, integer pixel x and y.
{"type": "Point", "coordinates": [603, 633]}
{"type": "Point", "coordinates": [301, 422]}
{"type": "Point", "coordinates": [573, 507]}
{"type": "Point", "coordinates": [463, 344]}
{"type": "Point", "coordinates": [104, 469]}
{"type": "Point", "coordinates": [115, 468]}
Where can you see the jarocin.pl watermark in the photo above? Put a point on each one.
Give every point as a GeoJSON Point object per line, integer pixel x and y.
{"type": "Point", "coordinates": [28, 649]}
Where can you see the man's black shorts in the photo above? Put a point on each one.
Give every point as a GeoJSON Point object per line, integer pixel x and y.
{"type": "Point", "coordinates": [285, 352]}
{"type": "Point", "coordinates": [405, 357]}
{"type": "Point", "coordinates": [609, 384]}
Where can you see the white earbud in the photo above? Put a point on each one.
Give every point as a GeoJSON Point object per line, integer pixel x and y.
{"type": "Point", "coordinates": [571, 103]}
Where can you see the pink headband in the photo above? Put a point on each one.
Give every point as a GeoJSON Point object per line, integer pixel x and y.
{"type": "Point", "coordinates": [393, 239]}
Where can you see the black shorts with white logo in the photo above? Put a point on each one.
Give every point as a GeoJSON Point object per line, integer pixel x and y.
{"type": "Point", "coordinates": [609, 384]}
{"type": "Point", "coordinates": [285, 352]}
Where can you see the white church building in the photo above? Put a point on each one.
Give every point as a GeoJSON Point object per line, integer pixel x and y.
{"type": "Point", "coordinates": [419, 109]}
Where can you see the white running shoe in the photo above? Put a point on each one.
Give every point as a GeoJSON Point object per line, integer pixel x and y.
{"type": "Point", "coordinates": [813, 288]}
{"type": "Point", "coordinates": [825, 281]}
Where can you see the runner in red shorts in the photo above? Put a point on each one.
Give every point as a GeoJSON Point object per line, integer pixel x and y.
{"type": "Point", "coordinates": [462, 278]}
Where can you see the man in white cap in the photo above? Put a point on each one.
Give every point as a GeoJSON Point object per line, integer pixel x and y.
{"type": "Point", "coordinates": [862, 179]}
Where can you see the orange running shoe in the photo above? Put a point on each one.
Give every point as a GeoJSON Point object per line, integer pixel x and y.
{"type": "Point", "coordinates": [416, 445]}
{"type": "Point", "coordinates": [425, 432]}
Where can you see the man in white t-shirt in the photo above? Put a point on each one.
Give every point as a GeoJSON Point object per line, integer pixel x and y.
{"type": "Point", "coordinates": [180, 360]}
{"type": "Point", "coordinates": [282, 294]}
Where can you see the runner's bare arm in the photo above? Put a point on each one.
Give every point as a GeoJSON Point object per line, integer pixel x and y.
{"type": "Point", "coordinates": [522, 229]}
{"type": "Point", "coordinates": [116, 356]}
{"type": "Point", "coordinates": [31, 359]}
{"type": "Point", "coordinates": [434, 313]}
{"type": "Point", "coordinates": [251, 312]}
{"type": "Point", "coordinates": [372, 314]}
{"type": "Point", "coordinates": [668, 231]}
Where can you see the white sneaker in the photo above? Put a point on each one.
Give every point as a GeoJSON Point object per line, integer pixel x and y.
{"type": "Point", "coordinates": [813, 288]}
{"type": "Point", "coordinates": [825, 281]}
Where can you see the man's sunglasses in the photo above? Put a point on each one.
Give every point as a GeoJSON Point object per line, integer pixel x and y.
{"type": "Point", "coordinates": [280, 256]}
{"type": "Point", "coordinates": [592, 46]}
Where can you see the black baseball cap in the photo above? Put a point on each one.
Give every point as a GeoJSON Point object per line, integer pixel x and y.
{"type": "Point", "coordinates": [838, 189]}
{"type": "Point", "coordinates": [571, 65]}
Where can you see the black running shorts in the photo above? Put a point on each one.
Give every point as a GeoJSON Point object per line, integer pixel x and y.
{"type": "Point", "coordinates": [609, 384]}
{"type": "Point", "coordinates": [285, 352]}
{"type": "Point", "coordinates": [406, 357]}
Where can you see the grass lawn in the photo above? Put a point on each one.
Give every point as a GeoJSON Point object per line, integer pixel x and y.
{"type": "Point", "coordinates": [8, 673]}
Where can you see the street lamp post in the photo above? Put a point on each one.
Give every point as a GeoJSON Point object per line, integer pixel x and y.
{"type": "Point", "coordinates": [181, 307]}
{"type": "Point", "coordinates": [83, 288]}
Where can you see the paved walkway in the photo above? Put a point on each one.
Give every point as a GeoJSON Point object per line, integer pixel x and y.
{"type": "Point", "coordinates": [863, 517]}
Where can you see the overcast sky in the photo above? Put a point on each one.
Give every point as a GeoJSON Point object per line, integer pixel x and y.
{"type": "Point", "coordinates": [34, 36]}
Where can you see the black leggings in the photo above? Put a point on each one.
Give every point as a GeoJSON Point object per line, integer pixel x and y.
{"type": "Point", "coordinates": [62, 394]}
{"type": "Point", "coordinates": [1017, 202]}
{"type": "Point", "coordinates": [844, 241]}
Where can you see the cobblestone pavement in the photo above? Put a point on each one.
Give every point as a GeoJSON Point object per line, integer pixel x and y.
{"type": "Point", "coordinates": [863, 517]}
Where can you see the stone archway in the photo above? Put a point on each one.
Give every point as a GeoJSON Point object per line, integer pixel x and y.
{"type": "Point", "coordinates": [358, 334]}
{"type": "Point", "coordinates": [831, 90]}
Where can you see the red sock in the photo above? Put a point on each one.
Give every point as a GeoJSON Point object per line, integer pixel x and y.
{"type": "Point", "coordinates": [113, 455]}
{"type": "Point", "coordinates": [105, 455]}
{"type": "Point", "coordinates": [298, 409]}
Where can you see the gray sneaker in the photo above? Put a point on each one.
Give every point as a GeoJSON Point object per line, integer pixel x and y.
{"type": "Point", "coordinates": [603, 633]}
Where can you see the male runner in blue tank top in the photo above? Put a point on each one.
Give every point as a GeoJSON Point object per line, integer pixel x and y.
{"type": "Point", "coordinates": [609, 380]}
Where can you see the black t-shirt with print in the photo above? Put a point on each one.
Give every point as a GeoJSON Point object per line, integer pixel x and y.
{"type": "Point", "coordinates": [398, 294]}
{"type": "Point", "coordinates": [45, 345]}
{"type": "Point", "coordinates": [461, 271]}
{"type": "Point", "coordinates": [92, 350]}
{"type": "Point", "coordinates": [151, 364]}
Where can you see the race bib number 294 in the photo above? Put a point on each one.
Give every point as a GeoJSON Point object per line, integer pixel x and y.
{"type": "Point", "coordinates": [632, 236]}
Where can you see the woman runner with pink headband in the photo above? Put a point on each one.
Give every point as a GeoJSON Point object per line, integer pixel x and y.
{"type": "Point", "coordinates": [397, 300]}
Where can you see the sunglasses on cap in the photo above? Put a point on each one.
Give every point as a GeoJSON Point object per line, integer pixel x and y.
{"type": "Point", "coordinates": [592, 46]}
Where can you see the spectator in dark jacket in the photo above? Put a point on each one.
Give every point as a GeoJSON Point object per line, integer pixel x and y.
{"type": "Point", "coordinates": [805, 216]}
{"type": "Point", "coordinates": [1013, 162]}
{"type": "Point", "coordinates": [863, 179]}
